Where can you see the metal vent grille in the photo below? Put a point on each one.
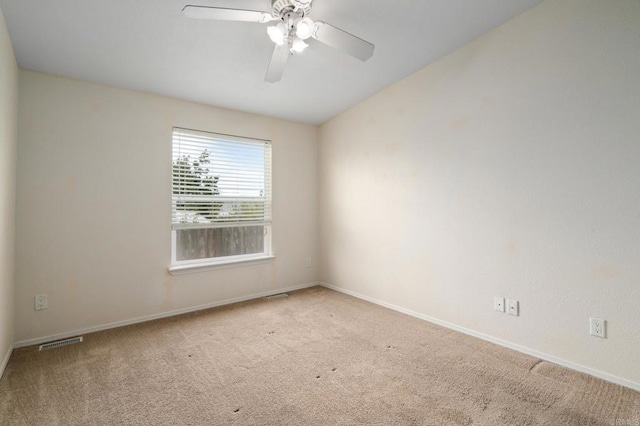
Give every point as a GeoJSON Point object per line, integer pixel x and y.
{"type": "Point", "coordinates": [60, 343]}
{"type": "Point", "coordinates": [278, 296]}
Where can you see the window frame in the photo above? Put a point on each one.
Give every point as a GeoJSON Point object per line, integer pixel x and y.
{"type": "Point", "coordinates": [179, 267]}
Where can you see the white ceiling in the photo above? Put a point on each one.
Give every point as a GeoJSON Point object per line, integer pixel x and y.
{"type": "Point", "coordinates": [149, 45]}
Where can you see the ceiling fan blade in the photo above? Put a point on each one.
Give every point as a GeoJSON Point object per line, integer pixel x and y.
{"type": "Point", "coordinates": [224, 14]}
{"type": "Point", "coordinates": [342, 40]}
{"type": "Point", "coordinates": [278, 61]}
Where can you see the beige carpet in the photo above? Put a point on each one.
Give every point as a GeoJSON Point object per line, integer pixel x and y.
{"type": "Point", "coordinates": [316, 358]}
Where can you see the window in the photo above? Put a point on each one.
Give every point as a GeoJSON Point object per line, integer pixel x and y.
{"type": "Point", "coordinates": [221, 198]}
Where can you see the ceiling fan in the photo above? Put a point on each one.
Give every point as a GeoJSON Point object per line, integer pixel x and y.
{"type": "Point", "coordinates": [291, 28]}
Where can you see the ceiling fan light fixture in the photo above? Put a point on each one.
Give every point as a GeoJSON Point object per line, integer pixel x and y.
{"type": "Point", "coordinates": [304, 28]}
{"type": "Point", "coordinates": [289, 34]}
{"type": "Point", "coordinates": [298, 45]}
{"type": "Point", "coordinates": [277, 33]}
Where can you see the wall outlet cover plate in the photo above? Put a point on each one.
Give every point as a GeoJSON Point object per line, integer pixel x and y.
{"type": "Point", "coordinates": [40, 302]}
{"type": "Point", "coordinates": [597, 327]}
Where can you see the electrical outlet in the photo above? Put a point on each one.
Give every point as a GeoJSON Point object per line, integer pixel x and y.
{"type": "Point", "coordinates": [597, 327]}
{"type": "Point", "coordinates": [40, 302]}
{"type": "Point", "coordinates": [512, 307]}
{"type": "Point", "coordinates": [498, 304]}
{"type": "Point", "coordinates": [309, 264]}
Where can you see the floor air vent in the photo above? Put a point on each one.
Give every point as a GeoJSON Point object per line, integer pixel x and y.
{"type": "Point", "coordinates": [60, 343]}
{"type": "Point", "coordinates": [278, 296]}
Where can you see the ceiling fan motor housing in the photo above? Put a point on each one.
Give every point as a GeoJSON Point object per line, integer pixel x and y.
{"type": "Point", "coordinates": [280, 8]}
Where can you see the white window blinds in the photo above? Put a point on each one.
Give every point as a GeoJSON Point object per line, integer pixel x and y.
{"type": "Point", "coordinates": [220, 180]}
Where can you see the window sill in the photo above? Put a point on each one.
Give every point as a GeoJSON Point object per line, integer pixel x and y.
{"type": "Point", "coordinates": [193, 268]}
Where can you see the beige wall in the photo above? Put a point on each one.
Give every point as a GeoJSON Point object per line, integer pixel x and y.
{"type": "Point", "coordinates": [93, 207]}
{"type": "Point", "coordinates": [508, 168]}
{"type": "Point", "coordinates": [8, 141]}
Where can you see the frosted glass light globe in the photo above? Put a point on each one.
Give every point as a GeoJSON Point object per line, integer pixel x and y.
{"type": "Point", "coordinates": [277, 33]}
{"type": "Point", "coordinates": [304, 28]}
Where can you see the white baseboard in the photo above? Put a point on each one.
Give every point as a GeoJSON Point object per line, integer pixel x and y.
{"type": "Point", "coordinates": [59, 336]}
{"type": "Point", "coordinates": [5, 360]}
{"type": "Point", "coordinates": [486, 337]}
